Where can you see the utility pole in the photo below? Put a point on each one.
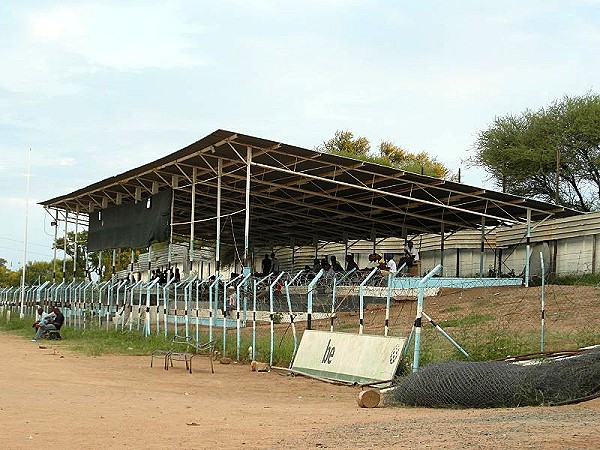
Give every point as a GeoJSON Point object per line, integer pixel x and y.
{"type": "Point", "coordinates": [22, 308]}
{"type": "Point", "coordinates": [557, 175]}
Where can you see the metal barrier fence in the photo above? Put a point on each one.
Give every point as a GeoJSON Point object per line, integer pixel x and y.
{"type": "Point", "coordinates": [200, 308]}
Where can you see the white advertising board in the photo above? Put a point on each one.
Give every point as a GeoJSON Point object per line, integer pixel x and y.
{"type": "Point", "coordinates": [358, 358]}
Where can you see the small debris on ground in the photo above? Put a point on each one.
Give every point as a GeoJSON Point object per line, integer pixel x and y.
{"type": "Point", "coordinates": [256, 366]}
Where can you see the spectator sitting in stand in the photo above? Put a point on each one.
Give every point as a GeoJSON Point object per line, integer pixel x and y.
{"type": "Point", "coordinates": [335, 265]}
{"type": "Point", "coordinates": [390, 264]}
{"type": "Point", "coordinates": [316, 265]}
{"type": "Point", "coordinates": [375, 260]}
{"type": "Point", "coordinates": [350, 263]}
{"type": "Point", "coordinates": [177, 275]}
{"type": "Point", "coordinates": [411, 255]}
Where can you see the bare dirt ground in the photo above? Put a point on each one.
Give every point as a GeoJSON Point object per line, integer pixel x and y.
{"type": "Point", "coordinates": [50, 397]}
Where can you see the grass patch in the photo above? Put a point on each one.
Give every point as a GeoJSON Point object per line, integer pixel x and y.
{"type": "Point", "coordinates": [451, 309]}
{"type": "Point", "coordinates": [95, 340]}
{"type": "Point", "coordinates": [477, 334]}
{"type": "Point", "coordinates": [586, 279]}
{"type": "Point", "coordinates": [474, 319]}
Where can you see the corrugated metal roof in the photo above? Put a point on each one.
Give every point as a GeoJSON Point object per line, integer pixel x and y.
{"type": "Point", "coordinates": [301, 193]}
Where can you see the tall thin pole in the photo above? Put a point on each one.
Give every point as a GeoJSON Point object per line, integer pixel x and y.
{"type": "Point", "coordinates": [557, 176]}
{"type": "Point", "coordinates": [22, 310]}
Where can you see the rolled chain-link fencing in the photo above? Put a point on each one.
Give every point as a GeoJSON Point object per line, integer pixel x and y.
{"type": "Point", "coordinates": [452, 384]}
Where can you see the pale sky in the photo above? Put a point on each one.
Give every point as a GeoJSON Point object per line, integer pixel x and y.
{"type": "Point", "coordinates": [96, 88]}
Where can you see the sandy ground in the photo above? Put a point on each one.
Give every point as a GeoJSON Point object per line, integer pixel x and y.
{"type": "Point", "coordinates": [51, 397]}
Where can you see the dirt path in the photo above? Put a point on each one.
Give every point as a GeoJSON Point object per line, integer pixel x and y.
{"type": "Point", "coordinates": [120, 402]}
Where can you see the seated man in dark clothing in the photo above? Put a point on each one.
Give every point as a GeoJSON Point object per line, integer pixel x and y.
{"type": "Point", "coordinates": [350, 263]}
{"type": "Point", "coordinates": [53, 324]}
{"type": "Point", "coordinates": [335, 265]}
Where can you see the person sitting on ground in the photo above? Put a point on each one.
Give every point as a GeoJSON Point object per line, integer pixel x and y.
{"type": "Point", "coordinates": [53, 324]}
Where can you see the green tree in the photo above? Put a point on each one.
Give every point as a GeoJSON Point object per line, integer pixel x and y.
{"type": "Point", "coordinates": [387, 153]}
{"type": "Point", "coordinates": [8, 277]}
{"type": "Point", "coordinates": [552, 154]}
{"type": "Point", "coordinates": [344, 143]}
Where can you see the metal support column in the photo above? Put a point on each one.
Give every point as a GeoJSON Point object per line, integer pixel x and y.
{"type": "Point", "coordinates": [193, 218]}
{"type": "Point", "coordinates": [75, 243]}
{"type": "Point", "coordinates": [528, 247]}
{"type": "Point", "coordinates": [55, 237]}
{"type": "Point", "coordinates": [482, 247]}
{"type": "Point", "coordinates": [218, 243]}
{"type": "Point", "coordinates": [442, 244]}
{"type": "Point", "coordinates": [65, 246]}
{"type": "Point", "coordinates": [247, 216]}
